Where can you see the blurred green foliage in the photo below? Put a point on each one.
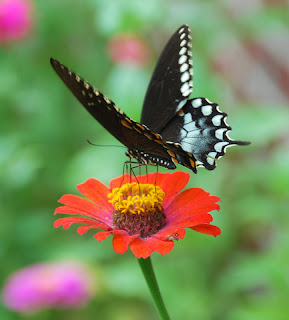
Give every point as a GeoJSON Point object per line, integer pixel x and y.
{"type": "Point", "coordinates": [242, 274]}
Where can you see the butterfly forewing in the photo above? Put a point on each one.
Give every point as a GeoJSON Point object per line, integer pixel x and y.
{"type": "Point", "coordinates": [171, 82]}
{"type": "Point", "coordinates": [144, 145]}
{"type": "Point", "coordinates": [101, 108]}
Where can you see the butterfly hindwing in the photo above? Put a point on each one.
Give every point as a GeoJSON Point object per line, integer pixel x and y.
{"type": "Point", "coordinates": [201, 129]}
{"type": "Point", "coordinates": [171, 82]}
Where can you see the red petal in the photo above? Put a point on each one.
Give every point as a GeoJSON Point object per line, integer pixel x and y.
{"type": "Point", "coordinates": [100, 236]}
{"type": "Point", "coordinates": [172, 185]}
{"type": "Point", "coordinates": [78, 205]}
{"type": "Point", "coordinates": [189, 221]}
{"type": "Point", "coordinates": [188, 204]}
{"type": "Point", "coordinates": [171, 234]}
{"type": "Point", "coordinates": [207, 229]}
{"type": "Point", "coordinates": [97, 192]}
{"type": "Point", "coordinates": [192, 197]}
{"type": "Point", "coordinates": [83, 229]}
{"type": "Point", "coordinates": [67, 222]}
{"type": "Point", "coordinates": [120, 242]}
{"type": "Point", "coordinates": [189, 212]}
{"type": "Point", "coordinates": [143, 248]}
{"type": "Point", "coordinates": [119, 181]}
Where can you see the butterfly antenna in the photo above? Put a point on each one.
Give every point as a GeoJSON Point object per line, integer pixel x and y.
{"type": "Point", "coordinates": [101, 145]}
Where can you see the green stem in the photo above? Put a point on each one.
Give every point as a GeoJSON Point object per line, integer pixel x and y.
{"type": "Point", "coordinates": [148, 272]}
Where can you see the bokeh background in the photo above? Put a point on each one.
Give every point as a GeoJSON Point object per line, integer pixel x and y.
{"type": "Point", "coordinates": [241, 61]}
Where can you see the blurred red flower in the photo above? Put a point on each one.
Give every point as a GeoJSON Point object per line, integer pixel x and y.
{"type": "Point", "coordinates": [145, 212]}
{"type": "Point", "coordinates": [127, 48]}
{"type": "Point", "coordinates": [15, 19]}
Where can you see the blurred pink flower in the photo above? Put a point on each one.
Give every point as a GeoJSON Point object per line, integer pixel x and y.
{"type": "Point", "coordinates": [15, 19]}
{"type": "Point", "coordinates": [127, 48]}
{"type": "Point", "coordinates": [48, 285]}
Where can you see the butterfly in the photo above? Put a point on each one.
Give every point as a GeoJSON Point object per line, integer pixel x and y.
{"type": "Point", "coordinates": [173, 129]}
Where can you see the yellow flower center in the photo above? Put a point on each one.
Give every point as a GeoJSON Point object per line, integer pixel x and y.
{"type": "Point", "coordinates": [137, 198]}
{"type": "Point", "coordinates": [138, 208]}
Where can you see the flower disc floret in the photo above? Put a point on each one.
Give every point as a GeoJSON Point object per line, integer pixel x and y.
{"type": "Point", "coordinates": [138, 208]}
{"type": "Point", "coordinates": [137, 198]}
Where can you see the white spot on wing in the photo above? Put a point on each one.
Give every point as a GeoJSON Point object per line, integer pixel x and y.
{"type": "Point", "coordinates": [181, 104]}
{"type": "Point", "coordinates": [212, 154]}
{"type": "Point", "coordinates": [188, 119]}
{"type": "Point", "coordinates": [183, 43]}
{"type": "Point", "coordinates": [185, 87]}
{"type": "Point", "coordinates": [207, 110]}
{"type": "Point", "coordinates": [183, 51]}
{"type": "Point", "coordinates": [187, 93]}
{"type": "Point", "coordinates": [182, 36]}
{"type": "Point", "coordinates": [106, 100]}
{"type": "Point", "coordinates": [220, 145]}
{"type": "Point", "coordinates": [181, 30]}
{"type": "Point", "coordinates": [183, 59]}
{"type": "Point", "coordinates": [216, 120]}
{"type": "Point", "coordinates": [185, 77]}
{"type": "Point", "coordinates": [184, 67]}
{"type": "Point", "coordinates": [219, 134]}
{"type": "Point", "coordinates": [196, 103]}
{"type": "Point", "coordinates": [210, 161]}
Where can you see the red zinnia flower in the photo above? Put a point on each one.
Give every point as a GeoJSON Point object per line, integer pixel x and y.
{"type": "Point", "coordinates": [146, 213]}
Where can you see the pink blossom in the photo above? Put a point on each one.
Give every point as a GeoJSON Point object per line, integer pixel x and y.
{"type": "Point", "coordinates": [15, 19]}
{"type": "Point", "coordinates": [128, 48]}
{"type": "Point", "coordinates": [48, 285]}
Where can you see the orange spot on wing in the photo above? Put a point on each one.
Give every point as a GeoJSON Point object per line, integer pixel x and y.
{"type": "Point", "coordinates": [126, 124]}
{"type": "Point", "coordinates": [193, 163]}
{"type": "Point", "coordinates": [148, 136]}
{"type": "Point", "coordinates": [137, 130]}
{"type": "Point", "coordinates": [171, 153]}
{"type": "Point", "coordinates": [140, 126]}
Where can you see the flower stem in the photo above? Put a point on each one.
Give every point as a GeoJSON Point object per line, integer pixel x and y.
{"type": "Point", "coordinates": [148, 272]}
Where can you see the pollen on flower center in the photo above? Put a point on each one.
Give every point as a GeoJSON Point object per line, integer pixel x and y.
{"type": "Point", "coordinates": [137, 198]}
{"type": "Point", "coordinates": [138, 208]}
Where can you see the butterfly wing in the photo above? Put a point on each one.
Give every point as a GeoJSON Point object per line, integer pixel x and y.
{"type": "Point", "coordinates": [143, 144]}
{"type": "Point", "coordinates": [201, 129]}
{"type": "Point", "coordinates": [171, 82]}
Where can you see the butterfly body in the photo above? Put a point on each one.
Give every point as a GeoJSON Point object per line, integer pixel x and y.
{"type": "Point", "coordinates": [172, 129]}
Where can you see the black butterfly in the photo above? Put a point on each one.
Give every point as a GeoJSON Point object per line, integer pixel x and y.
{"type": "Point", "coordinates": [172, 129]}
